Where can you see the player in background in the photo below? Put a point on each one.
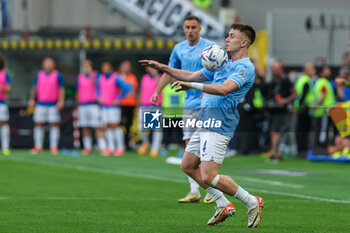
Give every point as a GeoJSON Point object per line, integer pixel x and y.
{"type": "Point", "coordinates": [186, 55]}
{"type": "Point", "coordinates": [149, 83]}
{"type": "Point", "coordinates": [110, 91]}
{"type": "Point", "coordinates": [88, 109]}
{"type": "Point", "coordinates": [5, 88]}
{"type": "Point", "coordinates": [206, 150]}
{"type": "Point", "coordinates": [129, 102]}
{"type": "Point", "coordinates": [48, 89]}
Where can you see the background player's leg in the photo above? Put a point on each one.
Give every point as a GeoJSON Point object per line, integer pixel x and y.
{"type": "Point", "coordinates": [5, 130]}
{"type": "Point", "coordinates": [54, 120]}
{"type": "Point", "coordinates": [87, 140]}
{"type": "Point", "coordinates": [84, 120]}
{"type": "Point", "coordinates": [40, 117]}
{"type": "Point", "coordinates": [100, 137]}
{"type": "Point", "coordinates": [54, 137]}
{"type": "Point", "coordinates": [5, 138]}
{"type": "Point", "coordinates": [110, 138]}
{"type": "Point", "coordinates": [38, 135]}
{"type": "Point", "coordinates": [194, 186]}
{"type": "Point", "coordinates": [119, 139]}
{"type": "Point", "coordinates": [118, 133]}
{"type": "Point", "coordinates": [157, 137]}
{"type": "Point", "coordinates": [144, 133]}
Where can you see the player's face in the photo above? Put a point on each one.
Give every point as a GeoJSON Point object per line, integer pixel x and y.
{"type": "Point", "coordinates": [326, 72]}
{"type": "Point", "coordinates": [309, 70]}
{"type": "Point", "coordinates": [277, 69]}
{"type": "Point", "coordinates": [48, 64]}
{"type": "Point", "coordinates": [125, 67]}
{"type": "Point", "coordinates": [87, 67]}
{"type": "Point", "coordinates": [106, 67]}
{"type": "Point", "coordinates": [235, 41]}
{"type": "Point", "coordinates": [192, 29]}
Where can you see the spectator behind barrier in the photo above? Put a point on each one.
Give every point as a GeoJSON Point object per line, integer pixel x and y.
{"type": "Point", "coordinates": [227, 14]}
{"type": "Point", "coordinates": [303, 104]}
{"type": "Point", "coordinates": [129, 102]}
{"type": "Point", "coordinates": [279, 93]}
{"type": "Point", "coordinates": [324, 99]}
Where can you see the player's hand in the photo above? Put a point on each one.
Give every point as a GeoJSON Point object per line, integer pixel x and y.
{"type": "Point", "coordinates": [154, 98]}
{"type": "Point", "coordinates": [31, 103]}
{"type": "Point", "coordinates": [184, 86]}
{"type": "Point", "coordinates": [282, 101]}
{"type": "Point", "coordinates": [154, 64]}
{"type": "Point", "coordinates": [59, 105]}
{"type": "Point", "coordinates": [341, 82]}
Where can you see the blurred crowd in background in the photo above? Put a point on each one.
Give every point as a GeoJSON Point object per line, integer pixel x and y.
{"type": "Point", "coordinates": [290, 112]}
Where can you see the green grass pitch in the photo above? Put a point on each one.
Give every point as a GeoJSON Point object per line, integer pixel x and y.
{"type": "Point", "coordinates": [46, 193]}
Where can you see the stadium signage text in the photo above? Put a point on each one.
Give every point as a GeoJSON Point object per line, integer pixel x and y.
{"type": "Point", "coordinates": [167, 15]}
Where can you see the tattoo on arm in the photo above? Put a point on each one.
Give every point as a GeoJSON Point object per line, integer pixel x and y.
{"type": "Point", "coordinates": [202, 79]}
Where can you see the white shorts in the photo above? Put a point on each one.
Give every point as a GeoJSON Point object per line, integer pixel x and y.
{"type": "Point", "coordinates": [46, 114]}
{"type": "Point", "coordinates": [89, 115]}
{"type": "Point", "coordinates": [189, 114]}
{"type": "Point", "coordinates": [142, 109]}
{"type": "Point", "coordinates": [4, 112]}
{"type": "Point", "coordinates": [111, 115]}
{"type": "Point", "coordinates": [208, 145]}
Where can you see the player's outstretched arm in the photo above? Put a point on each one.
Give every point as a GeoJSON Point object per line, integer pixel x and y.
{"type": "Point", "coordinates": [214, 89]}
{"type": "Point", "coordinates": [178, 74]}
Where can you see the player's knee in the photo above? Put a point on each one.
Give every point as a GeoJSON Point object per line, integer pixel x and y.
{"type": "Point", "coordinates": [210, 180]}
{"type": "Point", "coordinates": [187, 168]}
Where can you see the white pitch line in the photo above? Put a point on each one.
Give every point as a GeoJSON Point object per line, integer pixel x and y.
{"type": "Point", "coordinates": [83, 168]}
{"type": "Point", "coordinates": [62, 198]}
{"type": "Point", "coordinates": [270, 182]}
{"type": "Point", "coordinates": [73, 198]}
{"type": "Point", "coordinates": [300, 196]}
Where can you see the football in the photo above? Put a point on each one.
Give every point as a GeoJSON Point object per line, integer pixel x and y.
{"type": "Point", "coordinates": [214, 57]}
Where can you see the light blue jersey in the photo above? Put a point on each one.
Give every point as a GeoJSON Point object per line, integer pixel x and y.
{"type": "Point", "coordinates": [224, 108]}
{"type": "Point", "coordinates": [188, 58]}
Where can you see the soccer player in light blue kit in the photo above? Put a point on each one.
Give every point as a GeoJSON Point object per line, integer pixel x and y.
{"type": "Point", "coordinates": [206, 149]}
{"type": "Point", "coordinates": [186, 55]}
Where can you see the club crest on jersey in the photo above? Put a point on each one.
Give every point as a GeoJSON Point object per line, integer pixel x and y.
{"type": "Point", "coordinates": [241, 72]}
